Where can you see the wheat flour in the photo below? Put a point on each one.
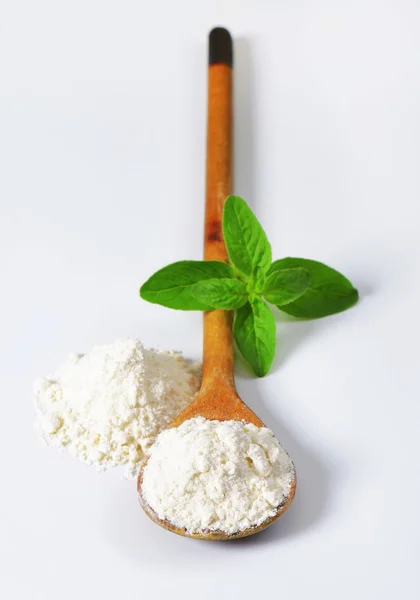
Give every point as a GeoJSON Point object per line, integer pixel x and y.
{"type": "Point", "coordinates": [108, 406]}
{"type": "Point", "coordinates": [210, 475]}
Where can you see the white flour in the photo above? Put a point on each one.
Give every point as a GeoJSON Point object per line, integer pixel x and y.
{"type": "Point", "coordinates": [108, 406]}
{"type": "Point", "coordinates": [212, 475]}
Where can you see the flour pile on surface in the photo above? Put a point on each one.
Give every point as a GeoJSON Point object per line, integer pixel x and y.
{"type": "Point", "coordinates": [108, 406]}
{"type": "Point", "coordinates": [208, 476]}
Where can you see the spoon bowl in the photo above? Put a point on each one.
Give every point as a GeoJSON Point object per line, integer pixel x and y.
{"type": "Point", "coordinates": [216, 403]}
{"type": "Point", "coordinates": [208, 534]}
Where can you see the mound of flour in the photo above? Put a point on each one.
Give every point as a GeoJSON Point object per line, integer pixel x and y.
{"type": "Point", "coordinates": [208, 476]}
{"type": "Point", "coordinates": [107, 407]}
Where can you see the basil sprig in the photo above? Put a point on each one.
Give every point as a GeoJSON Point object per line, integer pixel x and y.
{"type": "Point", "coordinates": [298, 286]}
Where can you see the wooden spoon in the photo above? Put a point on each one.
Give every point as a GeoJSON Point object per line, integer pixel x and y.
{"type": "Point", "coordinates": [217, 398]}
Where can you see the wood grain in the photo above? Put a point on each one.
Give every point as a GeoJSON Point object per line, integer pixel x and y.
{"type": "Point", "coordinates": [218, 398]}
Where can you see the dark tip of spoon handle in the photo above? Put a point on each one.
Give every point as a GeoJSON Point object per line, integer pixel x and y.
{"type": "Point", "coordinates": [220, 47]}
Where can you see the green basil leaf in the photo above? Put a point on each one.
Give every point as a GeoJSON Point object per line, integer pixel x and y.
{"type": "Point", "coordinates": [227, 294]}
{"type": "Point", "coordinates": [173, 285]}
{"type": "Point", "coordinates": [254, 330]}
{"type": "Point", "coordinates": [329, 292]}
{"type": "Point", "coordinates": [247, 245]}
{"type": "Point", "coordinates": [285, 285]}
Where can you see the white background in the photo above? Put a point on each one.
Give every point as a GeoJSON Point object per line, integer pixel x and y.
{"type": "Point", "coordinates": [102, 136]}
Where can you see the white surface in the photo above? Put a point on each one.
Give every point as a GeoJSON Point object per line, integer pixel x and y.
{"type": "Point", "coordinates": [102, 128]}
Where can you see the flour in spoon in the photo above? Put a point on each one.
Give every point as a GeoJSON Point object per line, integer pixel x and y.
{"type": "Point", "coordinates": [206, 476]}
{"type": "Point", "coordinates": [107, 407]}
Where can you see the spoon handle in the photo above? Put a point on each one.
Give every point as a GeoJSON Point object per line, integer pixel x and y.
{"type": "Point", "coordinates": [218, 341]}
